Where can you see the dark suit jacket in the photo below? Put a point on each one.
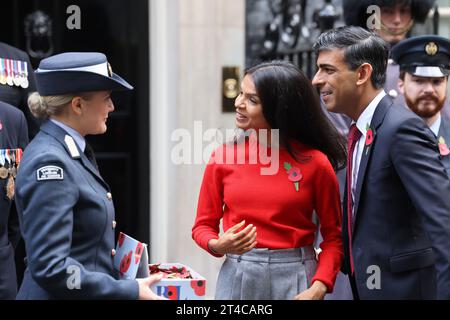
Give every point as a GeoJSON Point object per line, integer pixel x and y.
{"type": "Point", "coordinates": [67, 223]}
{"type": "Point", "coordinates": [402, 211]}
{"type": "Point", "coordinates": [13, 134]}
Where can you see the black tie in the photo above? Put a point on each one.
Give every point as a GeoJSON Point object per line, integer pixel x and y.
{"type": "Point", "coordinates": [89, 152]}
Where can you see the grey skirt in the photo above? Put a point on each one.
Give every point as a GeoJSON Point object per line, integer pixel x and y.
{"type": "Point", "coordinates": [263, 274]}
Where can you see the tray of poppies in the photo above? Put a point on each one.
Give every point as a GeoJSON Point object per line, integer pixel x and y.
{"type": "Point", "coordinates": [179, 282]}
{"type": "Point", "coordinates": [172, 272]}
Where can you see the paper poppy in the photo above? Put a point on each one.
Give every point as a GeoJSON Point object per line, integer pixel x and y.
{"type": "Point", "coordinates": [443, 149]}
{"type": "Point", "coordinates": [370, 136]}
{"type": "Point", "coordinates": [125, 262]}
{"type": "Point", "coordinates": [138, 252]}
{"type": "Point", "coordinates": [294, 174]}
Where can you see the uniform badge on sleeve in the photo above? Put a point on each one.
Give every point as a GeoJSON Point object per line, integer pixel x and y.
{"type": "Point", "coordinates": [50, 173]}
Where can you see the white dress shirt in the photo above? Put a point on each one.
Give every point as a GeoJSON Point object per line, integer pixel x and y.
{"type": "Point", "coordinates": [362, 124]}
{"type": "Point", "coordinates": [436, 125]}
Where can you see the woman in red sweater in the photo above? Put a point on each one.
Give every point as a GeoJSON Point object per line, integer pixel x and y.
{"type": "Point", "coordinates": [267, 213]}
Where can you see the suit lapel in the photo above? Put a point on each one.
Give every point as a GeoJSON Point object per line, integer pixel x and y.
{"type": "Point", "coordinates": [59, 134]}
{"type": "Point", "coordinates": [443, 130]}
{"type": "Point", "coordinates": [377, 120]}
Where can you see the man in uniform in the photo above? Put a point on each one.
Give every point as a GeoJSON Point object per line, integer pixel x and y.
{"type": "Point", "coordinates": [13, 139]}
{"type": "Point", "coordinates": [16, 83]}
{"type": "Point", "coordinates": [424, 68]}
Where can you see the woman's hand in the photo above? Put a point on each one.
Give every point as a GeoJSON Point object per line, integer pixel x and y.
{"type": "Point", "coordinates": [316, 292]}
{"type": "Point", "coordinates": [145, 293]}
{"type": "Point", "coordinates": [235, 242]}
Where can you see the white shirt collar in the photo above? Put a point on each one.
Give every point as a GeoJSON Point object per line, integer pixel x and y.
{"type": "Point", "coordinates": [366, 116]}
{"type": "Point", "coordinates": [73, 133]}
{"type": "Point", "coordinates": [436, 125]}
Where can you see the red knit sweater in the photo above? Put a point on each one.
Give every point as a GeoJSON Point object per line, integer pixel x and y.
{"type": "Point", "coordinates": [282, 215]}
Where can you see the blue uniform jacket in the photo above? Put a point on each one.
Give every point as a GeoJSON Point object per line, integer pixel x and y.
{"type": "Point", "coordinates": [66, 217]}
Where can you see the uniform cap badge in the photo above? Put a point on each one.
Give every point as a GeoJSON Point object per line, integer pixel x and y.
{"type": "Point", "coordinates": [110, 72]}
{"type": "Point", "coordinates": [431, 48]}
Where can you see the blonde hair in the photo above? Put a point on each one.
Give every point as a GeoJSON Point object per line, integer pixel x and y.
{"type": "Point", "coordinates": [43, 107]}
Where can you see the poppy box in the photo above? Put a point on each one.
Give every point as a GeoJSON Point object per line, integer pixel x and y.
{"type": "Point", "coordinates": [178, 288]}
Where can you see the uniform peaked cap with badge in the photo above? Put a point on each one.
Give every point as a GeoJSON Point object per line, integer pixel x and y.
{"type": "Point", "coordinates": [75, 72]}
{"type": "Point", "coordinates": [423, 56]}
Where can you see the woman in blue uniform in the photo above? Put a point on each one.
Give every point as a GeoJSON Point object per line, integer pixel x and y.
{"type": "Point", "coordinates": [65, 208]}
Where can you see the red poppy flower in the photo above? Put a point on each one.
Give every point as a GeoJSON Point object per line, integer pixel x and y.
{"type": "Point", "coordinates": [443, 149]}
{"type": "Point", "coordinates": [172, 292]}
{"type": "Point", "coordinates": [125, 262]}
{"type": "Point", "coordinates": [369, 137]}
{"type": "Point", "coordinates": [199, 287]}
{"type": "Point", "coordinates": [294, 174]}
{"type": "Point", "coordinates": [138, 252]}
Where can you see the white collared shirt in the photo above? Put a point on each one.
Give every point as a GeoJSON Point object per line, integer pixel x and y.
{"type": "Point", "coordinates": [362, 124]}
{"type": "Point", "coordinates": [436, 125]}
{"type": "Point", "coordinates": [79, 140]}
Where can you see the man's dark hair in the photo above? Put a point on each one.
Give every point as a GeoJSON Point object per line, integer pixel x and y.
{"type": "Point", "coordinates": [291, 104]}
{"type": "Point", "coordinates": [359, 46]}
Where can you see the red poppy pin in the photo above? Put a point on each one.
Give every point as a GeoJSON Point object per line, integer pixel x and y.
{"type": "Point", "coordinates": [370, 135]}
{"type": "Point", "coordinates": [294, 174]}
{"type": "Point", "coordinates": [443, 149]}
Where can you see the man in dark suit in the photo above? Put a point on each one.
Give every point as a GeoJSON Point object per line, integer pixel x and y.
{"type": "Point", "coordinates": [424, 68]}
{"type": "Point", "coordinates": [13, 135]}
{"type": "Point", "coordinates": [396, 21]}
{"type": "Point", "coordinates": [396, 224]}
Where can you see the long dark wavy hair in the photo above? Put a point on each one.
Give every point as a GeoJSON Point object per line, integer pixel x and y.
{"type": "Point", "coordinates": [291, 104]}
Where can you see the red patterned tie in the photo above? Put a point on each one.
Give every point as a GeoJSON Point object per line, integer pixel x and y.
{"type": "Point", "coordinates": [353, 136]}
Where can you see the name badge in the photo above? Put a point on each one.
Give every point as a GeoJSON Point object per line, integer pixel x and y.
{"type": "Point", "coordinates": [50, 173]}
